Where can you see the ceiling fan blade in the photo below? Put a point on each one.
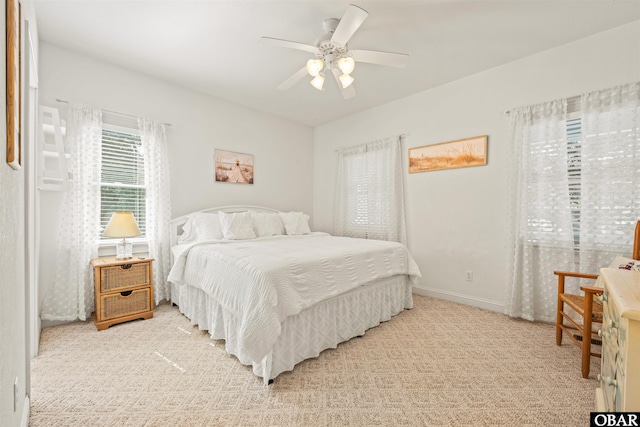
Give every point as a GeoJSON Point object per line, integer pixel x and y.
{"type": "Point", "coordinates": [398, 60]}
{"type": "Point", "coordinates": [295, 78]}
{"type": "Point", "coordinates": [349, 24]}
{"type": "Point", "coordinates": [289, 44]}
{"type": "Point", "coordinates": [347, 93]}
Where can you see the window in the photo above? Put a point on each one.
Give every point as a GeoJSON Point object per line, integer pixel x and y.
{"type": "Point", "coordinates": [367, 195]}
{"type": "Point", "coordinates": [573, 175]}
{"type": "Point", "coordinates": [369, 192]}
{"type": "Point", "coordinates": [598, 165]}
{"type": "Point", "coordinates": [122, 186]}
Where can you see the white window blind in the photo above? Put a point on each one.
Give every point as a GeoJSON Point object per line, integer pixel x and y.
{"type": "Point", "coordinates": [122, 186]}
{"type": "Point", "coordinates": [574, 168]}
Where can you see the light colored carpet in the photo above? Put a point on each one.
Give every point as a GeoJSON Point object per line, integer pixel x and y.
{"type": "Point", "coordinates": [439, 364]}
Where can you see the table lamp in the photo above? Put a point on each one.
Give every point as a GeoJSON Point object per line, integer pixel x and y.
{"type": "Point", "coordinates": [122, 224]}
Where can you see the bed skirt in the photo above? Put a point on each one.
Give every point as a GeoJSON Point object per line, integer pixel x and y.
{"type": "Point", "coordinates": [305, 335]}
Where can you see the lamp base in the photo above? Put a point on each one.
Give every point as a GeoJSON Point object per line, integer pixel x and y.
{"type": "Point", "coordinates": [124, 250]}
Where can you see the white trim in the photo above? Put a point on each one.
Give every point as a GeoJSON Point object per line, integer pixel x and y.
{"type": "Point", "coordinates": [25, 412]}
{"type": "Point", "coordinates": [114, 240]}
{"type": "Point", "coordinates": [131, 129]}
{"type": "Point", "coordinates": [460, 298]}
{"type": "Point", "coordinates": [32, 202]}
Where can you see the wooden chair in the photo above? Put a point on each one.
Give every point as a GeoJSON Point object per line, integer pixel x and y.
{"type": "Point", "coordinates": [588, 307]}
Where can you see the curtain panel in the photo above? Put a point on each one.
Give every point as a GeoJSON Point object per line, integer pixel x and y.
{"type": "Point", "coordinates": [610, 174]}
{"type": "Point", "coordinates": [541, 229]}
{"type": "Point", "coordinates": [158, 203]}
{"type": "Point", "coordinates": [71, 294]}
{"type": "Point", "coordinates": [575, 193]}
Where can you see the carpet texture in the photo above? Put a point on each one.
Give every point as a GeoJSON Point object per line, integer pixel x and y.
{"type": "Point", "coordinates": [439, 364]}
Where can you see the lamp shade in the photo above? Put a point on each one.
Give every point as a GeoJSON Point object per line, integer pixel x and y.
{"type": "Point", "coordinates": [121, 224]}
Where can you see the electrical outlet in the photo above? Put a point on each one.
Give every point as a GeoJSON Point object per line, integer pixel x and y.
{"type": "Point", "coordinates": [15, 395]}
{"type": "Point", "coordinates": [469, 276]}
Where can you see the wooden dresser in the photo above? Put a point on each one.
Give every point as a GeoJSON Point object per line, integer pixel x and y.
{"type": "Point", "coordinates": [619, 389]}
{"type": "Point", "coordinates": [123, 290]}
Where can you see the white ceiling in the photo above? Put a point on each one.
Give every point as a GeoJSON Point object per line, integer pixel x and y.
{"type": "Point", "coordinates": [211, 46]}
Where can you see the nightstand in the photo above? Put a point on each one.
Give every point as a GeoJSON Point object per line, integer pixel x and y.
{"type": "Point", "coordinates": [123, 290]}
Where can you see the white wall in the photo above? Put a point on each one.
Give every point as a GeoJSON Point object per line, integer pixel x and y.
{"type": "Point", "coordinates": [200, 123]}
{"type": "Point", "coordinates": [457, 218]}
{"type": "Point", "coordinates": [14, 358]}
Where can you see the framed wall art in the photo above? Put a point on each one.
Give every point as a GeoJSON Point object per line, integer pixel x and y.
{"type": "Point", "coordinates": [13, 57]}
{"type": "Point", "coordinates": [233, 167]}
{"type": "Point", "coordinates": [461, 153]}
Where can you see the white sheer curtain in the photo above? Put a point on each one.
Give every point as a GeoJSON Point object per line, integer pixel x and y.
{"type": "Point", "coordinates": [71, 295]}
{"type": "Point", "coordinates": [610, 174]}
{"type": "Point", "coordinates": [575, 193]}
{"type": "Point", "coordinates": [369, 199]}
{"type": "Point", "coordinates": [158, 203]}
{"type": "Point", "coordinates": [542, 238]}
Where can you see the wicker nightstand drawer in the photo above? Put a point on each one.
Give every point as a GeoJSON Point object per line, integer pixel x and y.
{"type": "Point", "coordinates": [124, 303]}
{"type": "Point", "coordinates": [124, 276]}
{"type": "Point", "coordinates": [124, 290]}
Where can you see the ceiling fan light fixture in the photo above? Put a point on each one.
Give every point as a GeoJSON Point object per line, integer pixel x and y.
{"type": "Point", "coordinates": [346, 80]}
{"type": "Point", "coordinates": [314, 66]}
{"type": "Point", "coordinates": [318, 81]}
{"type": "Point", "coordinates": [331, 52]}
{"type": "Point", "coordinates": [346, 64]}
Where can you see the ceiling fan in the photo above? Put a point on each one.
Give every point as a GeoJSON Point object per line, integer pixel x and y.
{"type": "Point", "coordinates": [332, 53]}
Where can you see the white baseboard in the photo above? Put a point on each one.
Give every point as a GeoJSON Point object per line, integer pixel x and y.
{"type": "Point", "coordinates": [25, 412]}
{"type": "Point", "coordinates": [460, 298]}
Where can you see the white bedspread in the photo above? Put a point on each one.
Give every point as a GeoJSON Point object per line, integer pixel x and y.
{"type": "Point", "coordinates": [263, 281]}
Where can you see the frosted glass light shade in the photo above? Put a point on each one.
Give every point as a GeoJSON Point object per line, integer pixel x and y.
{"type": "Point", "coordinates": [346, 65]}
{"type": "Point", "coordinates": [346, 80]}
{"type": "Point", "coordinates": [318, 82]}
{"type": "Point", "coordinates": [314, 66]}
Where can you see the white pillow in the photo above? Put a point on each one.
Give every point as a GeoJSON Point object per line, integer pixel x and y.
{"type": "Point", "coordinates": [207, 226]}
{"type": "Point", "coordinates": [236, 226]}
{"type": "Point", "coordinates": [295, 223]}
{"type": "Point", "coordinates": [625, 263]}
{"type": "Point", "coordinates": [188, 232]}
{"type": "Point", "coordinates": [267, 224]}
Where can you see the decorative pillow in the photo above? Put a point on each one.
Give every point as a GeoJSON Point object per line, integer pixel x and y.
{"type": "Point", "coordinates": [236, 226]}
{"type": "Point", "coordinates": [625, 263]}
{"type": "Point", "coordinates": [207, 226]}
{"type": "Point", "coordinates": [295, 223]}
{"type": "Point", "coordinates": [188, 232]}
{"type": "Point", "coordinates": [267, 224]}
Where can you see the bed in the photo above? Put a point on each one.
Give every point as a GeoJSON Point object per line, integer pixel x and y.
{"type": "Point", "coordinates": [278, 293]}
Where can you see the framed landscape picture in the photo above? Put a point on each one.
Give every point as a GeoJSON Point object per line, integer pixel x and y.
{"type": "Point", "coordinates": [233, 167]}
{"type": "Point", "coordinates": [461, 153]}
